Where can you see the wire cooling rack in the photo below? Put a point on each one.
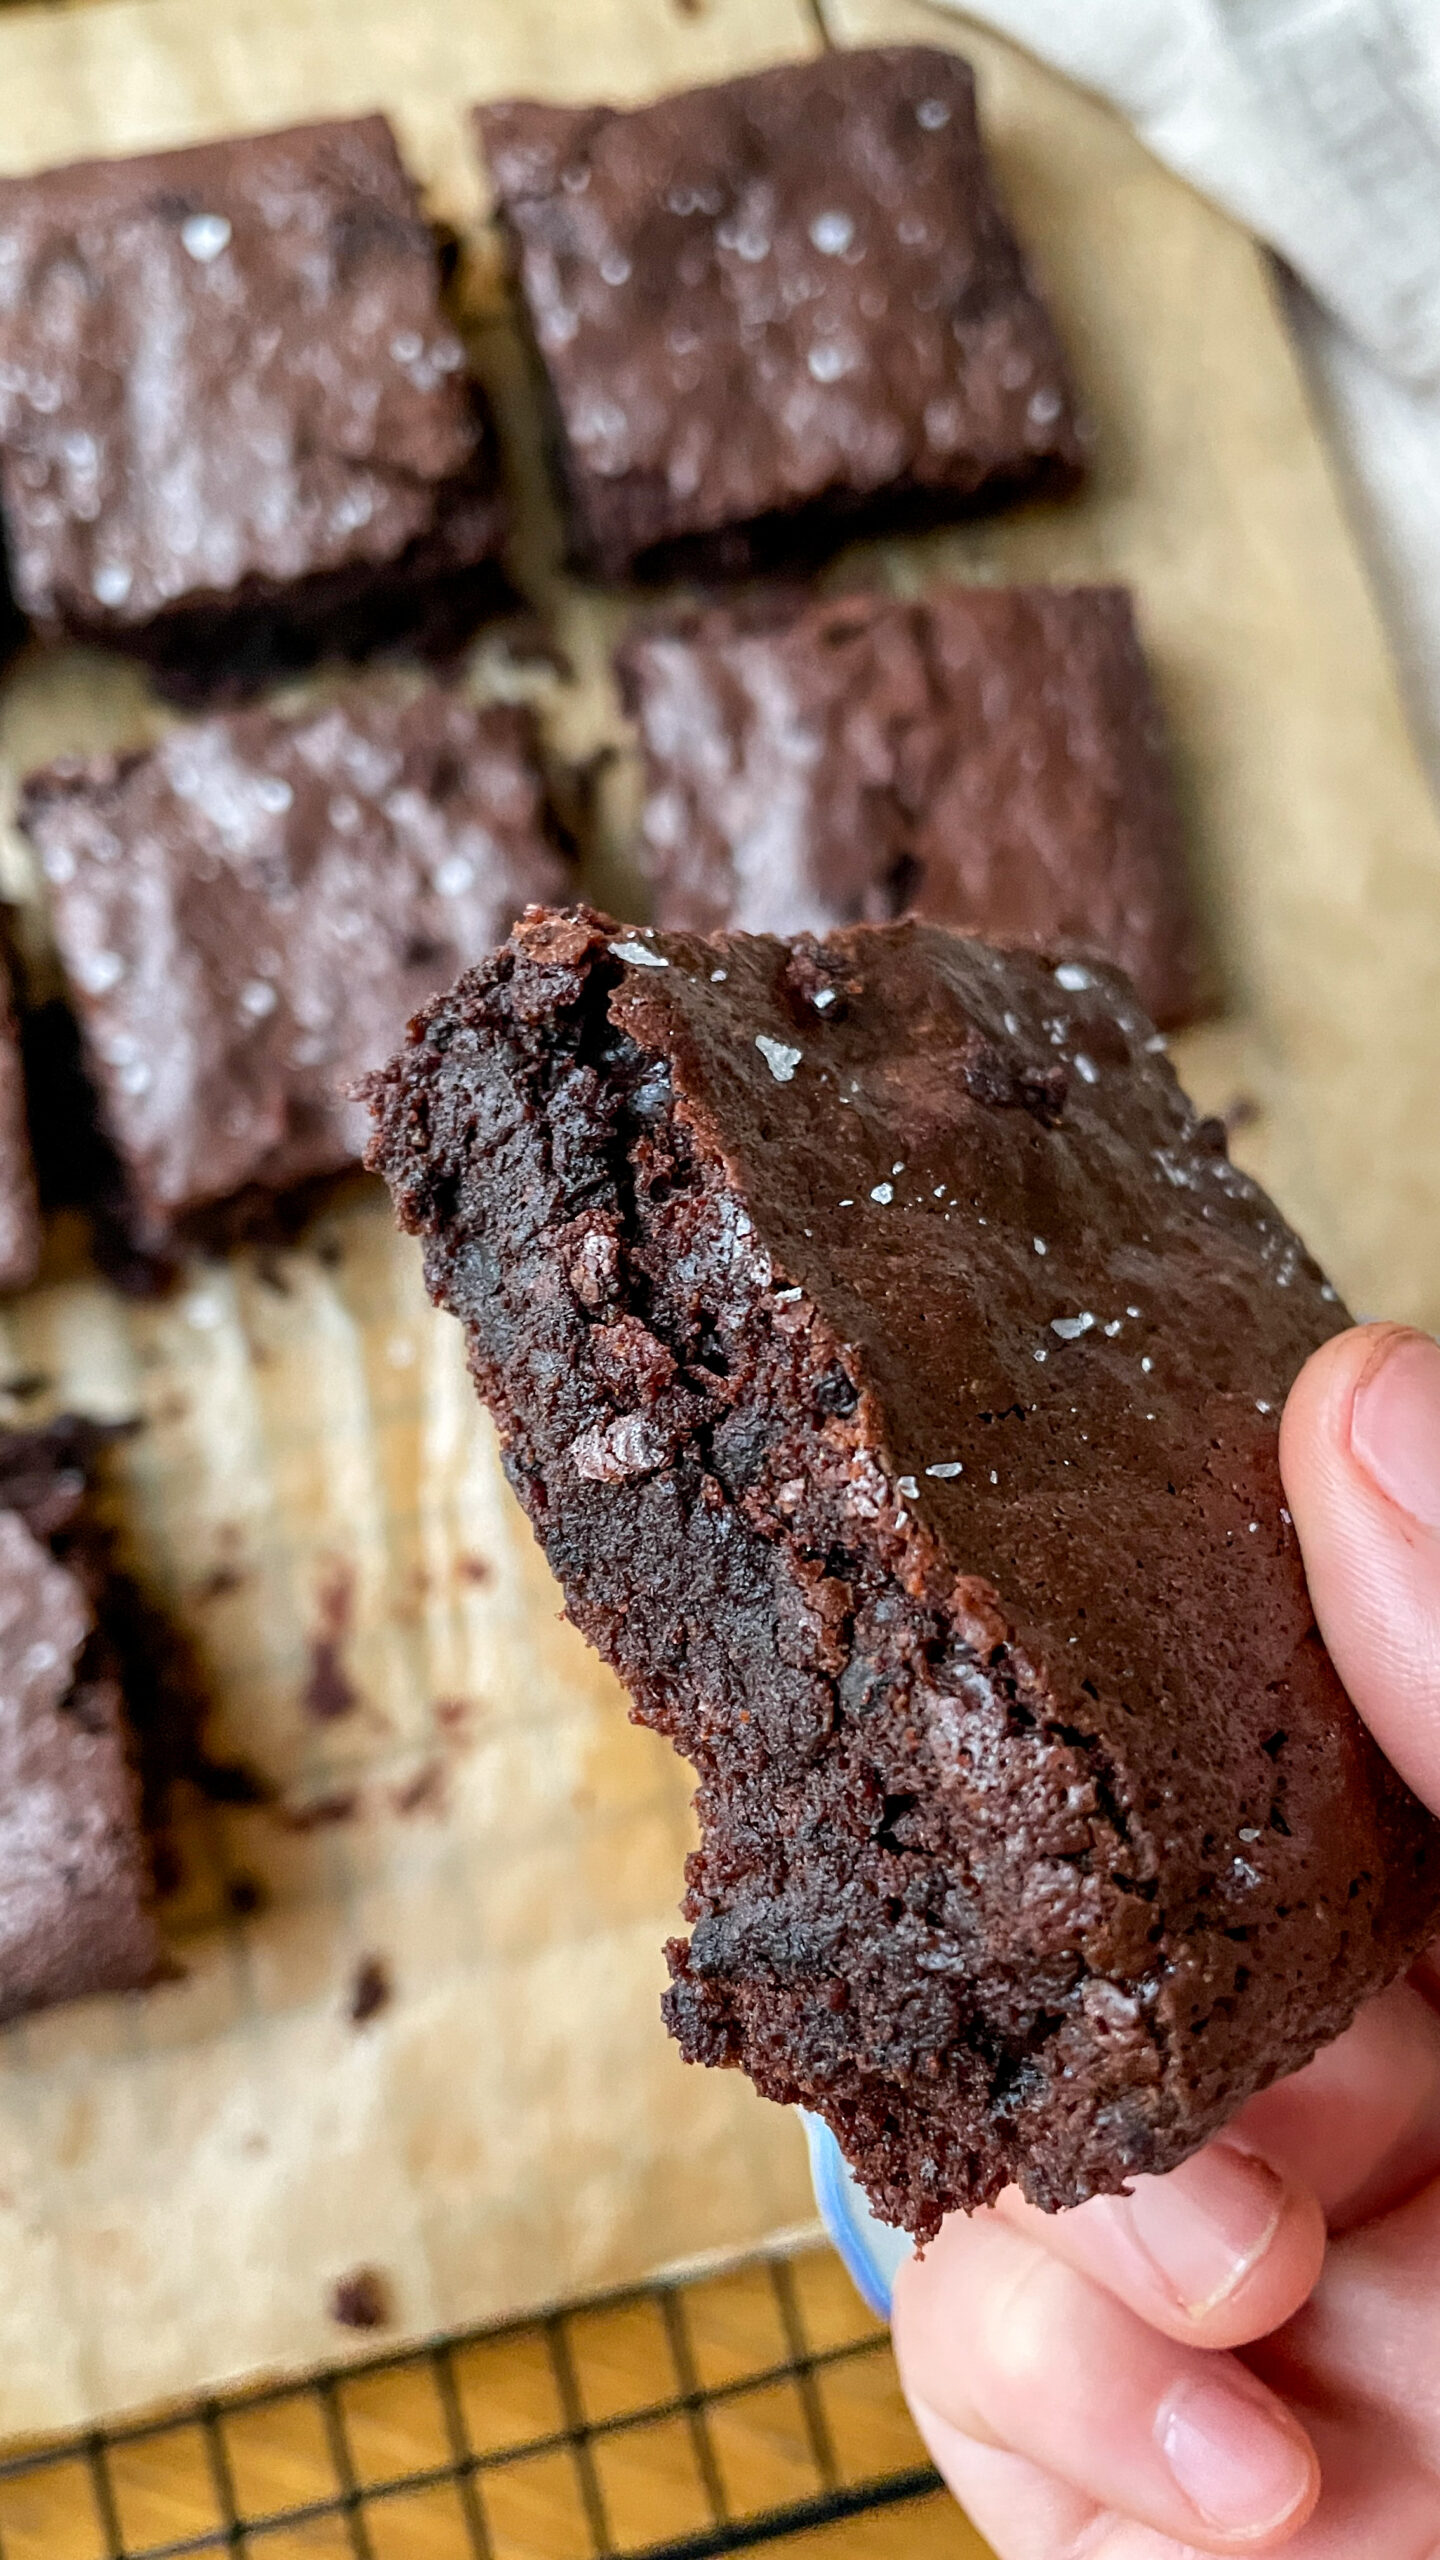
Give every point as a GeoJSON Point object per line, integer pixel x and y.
{"type": "Point", "coordinates": [711, 2413]}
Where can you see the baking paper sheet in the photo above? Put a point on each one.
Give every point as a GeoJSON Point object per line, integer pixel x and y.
{"type": "Point", "coordinates": [184, 2178]}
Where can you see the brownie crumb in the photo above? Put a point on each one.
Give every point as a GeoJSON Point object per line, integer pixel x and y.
{"type": "Point", "coordinates": [219, 1585]}
{"type": "Point", "coordinates": [362, 2300]}
{"type": "Point", "coordinates": [425, 1792]}
{"type": "Point", "coordinates": [27, 1386]}
{"type": "Point", "coordinates": [322, 1811]}
{"type": "Point", "coordinates": [329, 1692]}
{"type": "Point", "coordinates": [472, 1569]}
{"type": "Point", "coordinates": [371, 1991]}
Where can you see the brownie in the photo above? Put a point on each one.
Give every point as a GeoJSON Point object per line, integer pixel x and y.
{"type": "Point", "coordinates": [891, 1364]}
{"type": "Point", "coordinates": [75, 1871]}
{"type": "Point", "coordinates": [778, 311]}
{"type": "Point", "coordinates": [991, 758]}
{"type": "Point", "coordinates": [236, 429]}
{"type": "Point", "coordinates": [19, 1208]}
{"type": "Point", "coordinates": [248, 912]}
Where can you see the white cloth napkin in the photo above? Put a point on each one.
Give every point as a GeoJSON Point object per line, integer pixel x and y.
{"type": "Point", "coordinates": [1317, 123]}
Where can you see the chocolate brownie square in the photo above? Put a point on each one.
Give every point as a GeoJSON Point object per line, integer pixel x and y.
{"type": "Point", "coordinates": [236, 429]}
{"type": "Point", "coordinates": [248, 912]}
{"type": "Point", "coordinates": [891, 1364]}
{"type": "Point", "coordinates": [990, 758]}
{"type": "Point", "coordinates": [75, 1872]}
{"type": "Point", "coordinates": [778, 311]}
{"type": "Point", "coordinates": [19, 1208]}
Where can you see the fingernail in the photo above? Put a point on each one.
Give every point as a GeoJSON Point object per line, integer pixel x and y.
{"type": "Point", "coordinates": [1241, 2468]}
{"type": "Point", "coordinates": [1395, 1425]}
{"type": "Point", "coordinates": [1204, 2226]}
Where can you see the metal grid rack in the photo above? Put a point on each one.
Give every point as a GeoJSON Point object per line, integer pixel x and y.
{"type": "Point", "coordinates": [702, 2415]}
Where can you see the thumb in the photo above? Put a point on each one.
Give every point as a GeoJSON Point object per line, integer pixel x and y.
{"type": "Point", "coordinates": [1360, 1456]}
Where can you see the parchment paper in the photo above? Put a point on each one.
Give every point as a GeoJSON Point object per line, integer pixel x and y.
{"type": "Point", "coordinates": [183, 2178]}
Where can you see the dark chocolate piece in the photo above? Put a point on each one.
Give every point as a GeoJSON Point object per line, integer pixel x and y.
{"type": "Point", "coordinates": [990, 758]}
{"type": "Point", "coordinates": [248, 912]}
{"type": "Point", "coordinates": [236, 429]}
{"type": "Point", "coordinates": [778, 311]}
{"type": "Point", "coordinates": [362, 2300]}
{"type": "Point", "coordinates": [75, 1870]}
{"type": "Point", "coordinates": [891, 1364]}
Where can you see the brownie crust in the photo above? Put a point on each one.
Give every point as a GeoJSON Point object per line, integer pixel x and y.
{"type": "Point", "coordinates": [989, 758]}
{"type": "Point", "coordinates": [777, 311]}
{"type": "Point", "coordinates": [236, 429]}
{"type": "Point", "coordinates": [248, 913]}
{"type": "Point", "coordinates": [891, 1364]}
{"type": "Point", "coordinates": [75, 1877]}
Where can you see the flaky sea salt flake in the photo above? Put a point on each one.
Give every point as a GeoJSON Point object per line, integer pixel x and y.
{"type": "Point", "coordinates": [781, 1061]}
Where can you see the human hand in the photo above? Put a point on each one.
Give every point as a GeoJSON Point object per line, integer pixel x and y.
{"type": "Point", "coordinates": [1244, 2355]}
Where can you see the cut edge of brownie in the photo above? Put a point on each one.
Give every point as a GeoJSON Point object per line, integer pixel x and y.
{"type": "Point", "coordinates": [556, 1193]}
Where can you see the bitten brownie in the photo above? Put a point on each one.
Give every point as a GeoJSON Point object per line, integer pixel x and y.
{"type": "Point", "coordinates": [75, 1876]}
{"type": "Point", "coordinates": [891, 1364]}
{"type": "Point", "coordinates": [776, 311]}
{"type": "Point", "coordinates": [991, 758]}
{"type": "Point", "coordinates": [236, 429]}
{"type": "Point", "coordinates": [248, 912]}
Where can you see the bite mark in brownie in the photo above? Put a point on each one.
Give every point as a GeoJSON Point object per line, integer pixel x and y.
{"type": "Point", "coordinates": [248, 912]}
{"type": "Point", "coordinates": [75, 1870]}
{"type": "Point", "coordinates": [990, 758]}
{"type": "Point", "coordinates": [236, 429]}
{"type": "Point", "coordinates": [896, 1397]}
{"type": "Point", "coordinates": [777, 311]}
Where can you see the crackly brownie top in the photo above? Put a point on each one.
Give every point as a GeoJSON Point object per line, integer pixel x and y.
{"type": "Point", "coordinates": [1070, 1319]}
{"type": "Point", "coordinates": [791, 282]}
{"type": "Point", "coordinates": [991, 758]}
{"type": "Point", "coordinates": [219, 365]}
{"type": "Point", "coordinates": [248, 913]}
